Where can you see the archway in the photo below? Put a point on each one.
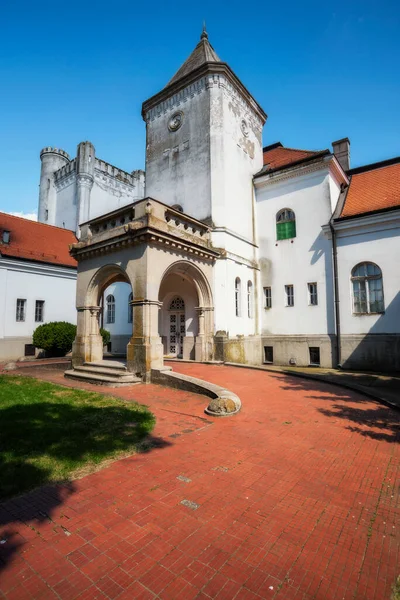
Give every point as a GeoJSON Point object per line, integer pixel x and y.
{"type": "Point", "coordinates": [104, 306]}
{"type": "Point", "coordinates": [186, 317]}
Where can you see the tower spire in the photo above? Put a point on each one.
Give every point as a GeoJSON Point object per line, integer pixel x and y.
{"type": "Point", "coordinates": [204, 34]}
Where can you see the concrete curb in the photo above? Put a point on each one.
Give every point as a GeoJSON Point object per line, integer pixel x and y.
{"type": "Point", "coordinates": [350, 386]}
{"type": "Point", "coordinates": [180, 381]}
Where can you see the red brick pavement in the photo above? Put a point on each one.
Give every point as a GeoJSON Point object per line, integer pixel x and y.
{"type": "Point", "coordinates": [296, 497]}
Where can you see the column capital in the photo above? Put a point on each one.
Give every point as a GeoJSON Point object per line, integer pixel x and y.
{"type": "Point", "coordinates": [91, 308]}
{"type": "Point", "coordinates": [145, 302]}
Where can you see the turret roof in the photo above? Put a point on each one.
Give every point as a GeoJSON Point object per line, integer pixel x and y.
{"type": "Point", "coordinates": [202, 54]}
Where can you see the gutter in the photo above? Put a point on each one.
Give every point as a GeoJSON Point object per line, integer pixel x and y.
{"type": "Point", "coordinates": [336, 292]}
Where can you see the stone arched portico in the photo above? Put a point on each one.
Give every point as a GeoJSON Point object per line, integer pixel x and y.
{"type": "Point", "coordinates": [143, 244]}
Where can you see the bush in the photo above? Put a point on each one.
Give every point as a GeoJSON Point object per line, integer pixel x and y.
{"type": "Point", "coordinates": [106, 335]}
{"type": "Point", "coordinates": [56, 338]}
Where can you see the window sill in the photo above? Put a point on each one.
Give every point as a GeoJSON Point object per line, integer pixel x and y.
{"type": "Point", "coordinates": [367, 314]}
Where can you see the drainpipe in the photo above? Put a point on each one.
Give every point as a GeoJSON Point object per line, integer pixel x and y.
{"type": "Point", "coordinates": [336, 293]}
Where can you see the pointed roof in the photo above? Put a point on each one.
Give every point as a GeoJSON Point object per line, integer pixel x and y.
{"type": "Point", "coordinates": [202, 54]}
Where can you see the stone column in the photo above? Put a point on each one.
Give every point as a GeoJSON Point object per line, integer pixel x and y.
{"type": "Point", "coordinates": [88, 344]}
{"type": "Point", "coordinates": [145, 349]}
{"type": "Point", "coordinates": [204, 340]}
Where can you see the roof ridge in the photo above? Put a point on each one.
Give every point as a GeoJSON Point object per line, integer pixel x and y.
{"type": "Point", "coordinates": [202, 53]}
{"type": "Point", "coordinates": [373, 166]}
{"type": "Point", "coordinates": [37, 222]}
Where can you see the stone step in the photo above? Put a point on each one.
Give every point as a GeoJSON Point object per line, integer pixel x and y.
{"type": "Point", "coordinates": [109, 364]}
{"type": "Point", "coordinates": [92, 368]}
{"type": "Point", "coordinates": [102, 379]}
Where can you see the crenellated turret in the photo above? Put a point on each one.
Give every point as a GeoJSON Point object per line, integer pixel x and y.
{"type": "Point", "coordinates": [85, 163]}
{"type": "Point", "coordinates": [52, 160]}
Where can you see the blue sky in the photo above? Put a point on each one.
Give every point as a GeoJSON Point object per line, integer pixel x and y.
{"type": "Point", "coordinates": [321, 71]}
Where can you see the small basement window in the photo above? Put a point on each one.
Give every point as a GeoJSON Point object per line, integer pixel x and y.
{"type": "Point", "coordinates": [5, 238]}
{"type": "Point", "coordinates": [315, 360]}
{"type": "Point", "coordinates": [268, 354]}
{"type": "Point", "coordinates": [29, 350]}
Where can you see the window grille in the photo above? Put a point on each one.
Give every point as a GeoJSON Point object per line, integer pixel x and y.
{"type": "Point", "coordinates": [289, 291]}
{"type": "Point", "coordinates": [21, 305]}
{"type": "Point", "coordinates": [177, 304]}
{"type": "Point", "coordinates": [267, 297]}
{"type": "Point", "coordinates": [285, 224]}
{"type": "Point", "coordinates": [39, 311]}
{"type": "Point", "coordinates": [110, 304]}
{"type": "Point", "coordinates": [312, 294]}
{"type": "Point", "coordinates": [249, 299]}
{"type": "Point", "coordinates": [237, 296]}
{"type": "Point", "coordinates": [367, 289]}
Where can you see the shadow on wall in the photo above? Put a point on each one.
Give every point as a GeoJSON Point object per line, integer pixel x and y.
{"type": "Point", "coordinates": [358, 414]}
{"type": "Point", "coordinates": [376, 350]}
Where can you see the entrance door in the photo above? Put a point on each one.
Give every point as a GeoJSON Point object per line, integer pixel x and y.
{"type": "Point", "coordinates": [176, 327]}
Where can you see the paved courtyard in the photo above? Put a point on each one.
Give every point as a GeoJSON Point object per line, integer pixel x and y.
{"type": "Point", "coordinates": [296, 497]}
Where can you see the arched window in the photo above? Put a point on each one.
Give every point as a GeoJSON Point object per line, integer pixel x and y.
{"type": "Point", "coordinates": [249, 299]}
{"type": "Point", "coordinates": [285, 224]}
{"type": "Point", "coordinates": [367, 289]}
{"type": "Point", "coordinates": [130, 308]}
{"type": "Point", "coordinates": [110, 305]}
{"type": "Point", "coordinates": [238, 288]}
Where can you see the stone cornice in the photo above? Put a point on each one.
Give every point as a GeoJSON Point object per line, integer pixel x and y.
{"type": "Point", "coordinates": [321, 162]}
{"type": "Point", "coordinates": [376, 222]}
{"type": "Point", "coordinates": [195, 82]}
{"type": "Point", "coordinates": [36, 268]}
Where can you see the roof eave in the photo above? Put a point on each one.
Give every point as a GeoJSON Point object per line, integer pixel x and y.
{"type": "Point", "coordinates": [204, 69]}
{"type": "Point", "coordinates": [291, 166]}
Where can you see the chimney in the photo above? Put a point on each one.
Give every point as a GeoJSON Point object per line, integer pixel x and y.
{"type": "Point", "coordinates": [341, 149]}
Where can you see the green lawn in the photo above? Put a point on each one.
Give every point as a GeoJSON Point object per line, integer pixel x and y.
{"type": "Point", "coordinates": [50, 433]}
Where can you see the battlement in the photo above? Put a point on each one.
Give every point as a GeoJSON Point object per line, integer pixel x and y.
{"type": "Point", "coordinates": [123, 176]}
{"type": "Point", "coordinates": [65, 170]}
{"type": "Point", "coordinates": [50, 150]}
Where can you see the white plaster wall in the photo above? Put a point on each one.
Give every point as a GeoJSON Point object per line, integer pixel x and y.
{"type": "Point", "coordinates": [104, 199]}
{"type": "Point", "coordinates": [121, 292]}
{"type": "Point", "coordinates": [178, 162]}
{"type": "Point", "coordinates": [58, 292]}
{"type": "Point", "coordinates": [382, 248]}
{"type": "Point", "coordinates": [3, 296]}
{"type": "Point", "coordinates": [225, 319]}
{"type": "Point", "coordinates": [306, 259]}
{"type": "Point", "coordinates": [66, 208]}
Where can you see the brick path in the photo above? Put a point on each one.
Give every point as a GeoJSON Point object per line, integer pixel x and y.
{"type": "Point", "coordinates": [296, 497]}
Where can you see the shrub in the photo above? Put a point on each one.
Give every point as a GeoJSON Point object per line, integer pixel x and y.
{"type": "Point", "coordinates": [106, 335]}
{"type": "Point", "coordinates": [55, 338]}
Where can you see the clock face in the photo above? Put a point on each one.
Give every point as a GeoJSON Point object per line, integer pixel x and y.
{"type": "Point", "coordinates": [244, 127]}
{"type": "Point", "coordinates": [175, 121]}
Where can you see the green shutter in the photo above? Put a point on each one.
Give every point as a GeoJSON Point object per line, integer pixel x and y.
{"type": "Point", "coordinates": [286, 230]}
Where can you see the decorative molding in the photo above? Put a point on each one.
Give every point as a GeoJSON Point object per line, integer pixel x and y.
{"type": "Point", "coordinates": [36, 268]}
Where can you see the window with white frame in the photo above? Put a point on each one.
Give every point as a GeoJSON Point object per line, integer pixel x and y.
{"type": "Point", "coordinates": [130, 308]}
{"type": "Point", "coordinates": [289, 293]}
{"type": "Point", "coordinates": [267, 297]}
{"type": "Point", "coordinates": [21, 310]}
{"type": "Point", "coordinates": [39, 311]}
{"type": "Point", "coordinates": [249, 299]}
{"type": "Point", "coordinates": [110, 307]}
{"type": "Point", "coordinates": [285, 224]}
{"type": "Point", "coordinates": [312, 294]}
{"type": "Point", "coordinates": [367, 283]}
{"type": "Point", "coordinates": [238, 288]}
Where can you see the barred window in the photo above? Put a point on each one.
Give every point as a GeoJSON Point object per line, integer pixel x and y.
{"type": "Point", "coordinates": [39, 311]}
{"type": "Point", "coordinates": [21, 309]}
{"type": "Point", "coordinates": [367, 289]}
{"type": "Point", "coordinates": [285, 224]}
{"type": "Point", "coordinates": [312, 294]}
{"type": "Point", "coordinates": [110, 304]}
{"type": "Point", "coordinates": [267, 297]}
{"type": "Point", "coordinates": [289, 292]}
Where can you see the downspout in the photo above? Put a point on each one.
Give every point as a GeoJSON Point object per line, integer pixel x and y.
{"type": "Point", "coordinates": [336, 293]}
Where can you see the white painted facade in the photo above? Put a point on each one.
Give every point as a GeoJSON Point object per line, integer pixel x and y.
{"type": "Point", "coordinates": [31, 281]}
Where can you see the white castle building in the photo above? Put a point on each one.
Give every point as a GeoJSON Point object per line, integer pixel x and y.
{"type": "Point", "coordinates": [297, 251]}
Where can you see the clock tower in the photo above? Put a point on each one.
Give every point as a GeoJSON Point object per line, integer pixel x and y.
{"type": "Point", "coordinates": [203, 143]}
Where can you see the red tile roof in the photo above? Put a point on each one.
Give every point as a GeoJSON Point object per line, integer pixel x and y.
{"type": "Point", "coordinates": [36, 241]}
{"type": "Point", "coordinates": [276, 156]}
{"type": "Point", "coordinates": [372, 188]}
